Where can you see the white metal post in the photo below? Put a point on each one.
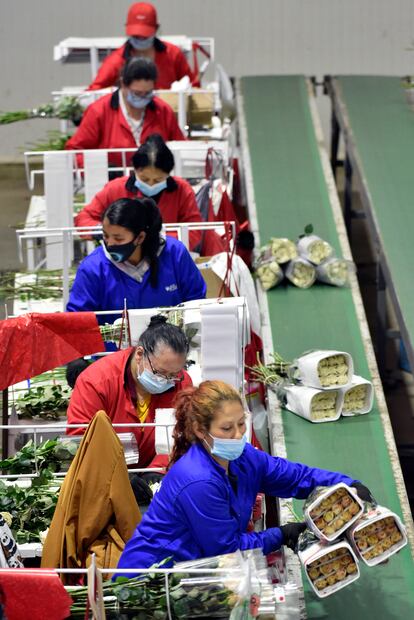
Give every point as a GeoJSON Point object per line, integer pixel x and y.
{"type": "Point", "coordinates": [94, 56]}
{"type": "Point", "coordinates": [58, 198]}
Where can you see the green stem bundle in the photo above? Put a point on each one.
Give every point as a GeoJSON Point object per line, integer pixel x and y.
{"type": "Point", "coordinates": [65, 108]}
{"type": "Point", "coordinates": [276, 372]}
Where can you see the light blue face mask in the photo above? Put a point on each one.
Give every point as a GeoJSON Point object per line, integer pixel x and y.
{"type": "Point", "coordinates": [228, 449]}
{"type": "Point", "coordinates": [154, 384]}
{"type": "Point", "coordinates": [150, 190]}
{"type": "Point", "coordinates": [139, 43]}
{"type": "Point", "coordinates": [138, 101]}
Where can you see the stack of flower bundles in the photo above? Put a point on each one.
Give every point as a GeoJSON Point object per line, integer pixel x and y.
{"type": "Point", "coordinates": [371, 533]}
{"type": "Point", "coordinates": [318, 386]}
{"type": "Point", "coordinates": [302, 263]}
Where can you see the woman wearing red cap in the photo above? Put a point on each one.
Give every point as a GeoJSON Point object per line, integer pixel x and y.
{"type": "Point", "coordinates": [125, 118]}
{"type": "Point", "coordinates": [141, 27]}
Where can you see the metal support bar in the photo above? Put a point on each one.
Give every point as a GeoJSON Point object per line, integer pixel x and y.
{"type": "Point", "coordinates": [5, 420]}
{"type": "Point", "coordinates": [348, 197]}
{"type": "Point", "coordinates": [335, 137]}
{"type": "Point", "coordinates": [381, 335]}
{"type": "Point", "coordinates": [358, 215]}
{"type": "Point", "coordinates": [94, 58]}
{"type": "Point", "coordinates": [393, 334]}
{"type": "Point", "coordinates": [65, 267]}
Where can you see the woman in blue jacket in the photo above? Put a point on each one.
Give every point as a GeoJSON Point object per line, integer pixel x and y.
{"type": "Point", "coordinates": [204, 504]}
{"type": "Point", "coordinates": [135, 262]}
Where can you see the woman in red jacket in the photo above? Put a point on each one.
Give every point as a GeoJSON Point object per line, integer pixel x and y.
{"type": "Point", "coordinates": [131, 384]}
{"type": "Point", "coordinates": [127, 117]}
{"type": "Point", "coordinates": [141, 27]}
{"type": "Point", "coordinates": [153, 163]}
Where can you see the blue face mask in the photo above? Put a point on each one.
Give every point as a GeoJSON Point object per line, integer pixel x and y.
{"type": "Point", "coordinates": [228, 449]}
{"type": "Point", "coordinates": [150, 190]}
{"type": "Point", "coordinates": [138, 101]}
{"type": "Point", "coordinates": [153, 383]}
{"type": "Point", "coordinates": [139, 43]}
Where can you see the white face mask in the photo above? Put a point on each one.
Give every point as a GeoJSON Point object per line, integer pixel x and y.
{"type": "Point", "coordinates": [153, 383]}
{"type": "Point", "coordinates": [228, 449]}
{"type": "Point", "coordinates": [150, 190]}
{"type": "Point", "coordinates": [141, 43]}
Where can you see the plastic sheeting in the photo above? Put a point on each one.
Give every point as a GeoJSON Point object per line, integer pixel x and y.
{"type": "Point", "coordinates": [33, 343]}
{"type": "Point", "coordinates": [28, 594]}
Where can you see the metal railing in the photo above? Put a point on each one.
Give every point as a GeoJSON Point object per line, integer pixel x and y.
{"type": "Point", "coordinates": [179, 100]}
{"type": "Point", "coordinates": [66, 235]}
{"type": "Point", "coordinates": [59, 429]}
{"type": "Point", "coordinates": [92, 49]}
{"type": "Point", "coordinates": [189, 156]}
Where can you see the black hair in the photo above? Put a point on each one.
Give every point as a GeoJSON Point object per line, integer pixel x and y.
{"type": "Point", "coordinates": [74, 369]}
{"type": "Point", "coordinates": [154, 152]}
{"type": "Point", "coordinates": [137, 215]}
{"type": "Point", "coordinates": [160, 332]}
{"type": "Point", "coordinates": [138, 68]}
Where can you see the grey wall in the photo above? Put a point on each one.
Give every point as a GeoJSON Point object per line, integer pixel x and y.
{"type": "Point", "coordinates": [252, 37]}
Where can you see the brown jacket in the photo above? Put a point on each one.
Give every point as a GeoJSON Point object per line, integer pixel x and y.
{"type": "Point", "coordinates": [96, 510]}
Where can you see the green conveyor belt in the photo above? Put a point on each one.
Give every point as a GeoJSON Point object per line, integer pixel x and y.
{"type": "Point", "coordinates": [290, 191]}
{"type": "Point", "coordinates": [382, 125]}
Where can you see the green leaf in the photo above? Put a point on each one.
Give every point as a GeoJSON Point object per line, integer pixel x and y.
{"type": "Point", "coordinates": [121, 580]}
{"type": "Point", "coordinates": [123, 595]}
{"type": "Point", "coordinates": [308, 229]}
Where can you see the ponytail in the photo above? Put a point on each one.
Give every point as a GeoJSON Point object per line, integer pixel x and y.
{"type": "Point", "coordinates": [183, 433]}
{"type": "Point", "coordinates": [151, 244]}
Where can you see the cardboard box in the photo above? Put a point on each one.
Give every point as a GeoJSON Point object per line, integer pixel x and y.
{"type": "Point", "coordinates": [172, 99]}
{"type": "Point", "coordinates": [201, 109]}
{"type": "Point", "coordinates": [214, 283]}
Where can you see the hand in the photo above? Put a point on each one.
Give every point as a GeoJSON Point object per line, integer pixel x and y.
{"type": "Point", "coordinates": [364, 493]}
{"type": "Point", "coordinates": [291, 532]}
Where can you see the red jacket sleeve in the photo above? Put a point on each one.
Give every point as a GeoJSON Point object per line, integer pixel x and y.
{"type": "Point", "coordinates": [188, 212]}
{"type": "Point", "coordinates": [85, 401]}
{"type": "Point", "coordinates": [88, 134]}
{"type": "Point", "coordinates": [212, 244]}
{"type": "Point", "coordinates": [108, 73]}
{"type": "Point", "coordinates": [173, 130]}
{"type": "Point", "coordinates": [182, 68]}
{"type": "Point", "coordinates": [91, 214]}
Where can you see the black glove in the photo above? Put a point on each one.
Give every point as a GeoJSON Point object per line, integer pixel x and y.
{"type": "Point", "coordinates": [364, 493]}
{"type": "Point", "coordinates": [150, 477]}
{"type": "Point", "coordinates": [245, 240]}
{"type": "Point", "coordinates": [141, 490]}
{"type": "Point", "coordinates": [291, 532]}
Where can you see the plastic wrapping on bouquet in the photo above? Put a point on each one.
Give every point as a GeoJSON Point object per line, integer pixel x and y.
{"type": "Point", "coordinates": [358, 397]}
{"type": "Point", "coordinates": [313, 404]}
{"type": "Point", "coordinates": [331, 511]}
{"type": "Point", "coordinates": [323, 369]}
{"type": "Point", "coordinates": [329, 568]}
{"type": "Point", "coordinates": [377, 535]}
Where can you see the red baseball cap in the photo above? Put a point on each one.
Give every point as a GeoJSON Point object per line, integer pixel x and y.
{"type": "Point", "coordinates": [141, 20]}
